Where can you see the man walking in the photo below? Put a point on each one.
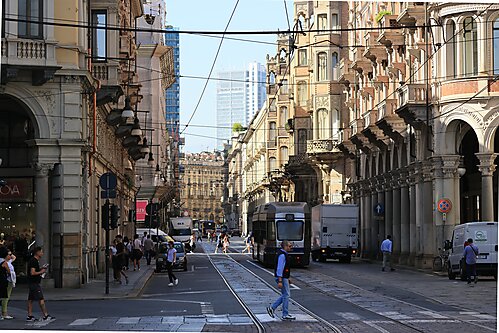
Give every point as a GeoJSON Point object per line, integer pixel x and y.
{"type": "Point", "coordinates": [170, 261]}
{"type": "Point", "coordinates": [282, 274]}
{"type": "Point", "coordinates": [386, 248]}
{"type": "Point", "coordinates": [470, 254]}
{"type": "Point", "coordinates": [148, 249]}
{"type": "Point", "coordinates": [35, 274]}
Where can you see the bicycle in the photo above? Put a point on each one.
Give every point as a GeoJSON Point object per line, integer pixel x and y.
{"type": "Point", "coordinates": [441, 262]}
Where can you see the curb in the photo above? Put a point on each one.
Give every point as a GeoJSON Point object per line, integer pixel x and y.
{"type": "Point", "coordinates": [403, 267]}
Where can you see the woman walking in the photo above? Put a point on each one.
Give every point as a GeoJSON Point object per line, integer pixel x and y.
{"type": "Point", "coordinates": [11, 279]}
{"type": "Point", "coordinates": [170, 261]}
{"type": "Point", "coordinates": [4, 273]}
{"type": "Point", "coordinates": [137, 252]}
{"type": "Point", "coordinates": [226, 243]}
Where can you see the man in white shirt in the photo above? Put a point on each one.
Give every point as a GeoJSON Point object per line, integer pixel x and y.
{"type": "Point", "coordinates": [170, 261]}
{"type": "Point", "coordinates": [386, 248]}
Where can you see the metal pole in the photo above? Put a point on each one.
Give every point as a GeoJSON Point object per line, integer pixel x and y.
{"type": "Point", "coordinates": [107, 255]}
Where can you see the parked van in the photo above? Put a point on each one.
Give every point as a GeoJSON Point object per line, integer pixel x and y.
{"type": "Point", "coordinates": [484, 235]}
{"type": "Point", "coordinates": [157, 235]}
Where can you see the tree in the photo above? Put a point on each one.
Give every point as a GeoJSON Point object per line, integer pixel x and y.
{"type": "Point", "coordinates": [237, 127]}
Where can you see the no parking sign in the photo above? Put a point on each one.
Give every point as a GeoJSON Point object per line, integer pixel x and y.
{"type": "Point", "coordinates": [444, 205]}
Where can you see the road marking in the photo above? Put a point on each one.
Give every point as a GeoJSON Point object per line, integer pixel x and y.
{"type": "Point", "coordinates": [394, 315]}
{"type": "Point", "coordinates": [348, 315]}
{"type": "Point", "coordinates": [429, 321]}
{"type": "Point", "coordinates": [484, 316]}
{"type": "Point", "coordinates": [291, 286]}
{"type": "Point", "coordinates": [128, 320]}
{"type": "Point", "coordinates": [207, 309]}
{"type": "Point", "coordinates": [83, 322]}
{"type": "Point", "coordinates": [373, 325]}
{"type": "Point", "coordinates": [433, 314]}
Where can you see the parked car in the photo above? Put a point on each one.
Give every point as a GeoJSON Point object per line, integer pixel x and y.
{"type": "Point", "coordinates": [161, 255]}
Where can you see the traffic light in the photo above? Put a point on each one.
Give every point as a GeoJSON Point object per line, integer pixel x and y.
{"type": "Point", "coordinates": [105, 216]}
{"type": "Point", "coordinates": [115, 215]}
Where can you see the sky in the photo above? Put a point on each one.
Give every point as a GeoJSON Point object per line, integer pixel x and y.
{"type": "Point", "coordinates": [197, 53]}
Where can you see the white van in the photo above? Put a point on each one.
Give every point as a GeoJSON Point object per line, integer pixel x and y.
{"type": "Point", "coordinates": [156, 234]}
{"type": "Point", "coordinates": [484, 235]}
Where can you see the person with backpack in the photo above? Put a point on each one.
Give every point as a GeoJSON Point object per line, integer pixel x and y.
{"type": "Point", "coordinates": [470, 255]}
{"type": "Point", "coordinates": [282, 274]}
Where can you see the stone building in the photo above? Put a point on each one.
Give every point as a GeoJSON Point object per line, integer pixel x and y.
{"type": "Point", "coordinates": [63, 90]}
{"type": "Point", "coordinates": [203, 186]}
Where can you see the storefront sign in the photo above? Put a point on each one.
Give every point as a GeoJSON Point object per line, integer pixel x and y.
{"type": "Point", "coordinates": [141, 210]}
{"type": "Point", "coordinates": [17, 190]}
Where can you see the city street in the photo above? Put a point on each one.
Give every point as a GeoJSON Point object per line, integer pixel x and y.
{"type": "Point", "coordinates": [230, 292]}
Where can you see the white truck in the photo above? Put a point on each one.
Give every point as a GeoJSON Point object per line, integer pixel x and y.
{"type": "Point", "coordinates": [334, 232]}
{"type": "Point", "coordinates": [181, 228]}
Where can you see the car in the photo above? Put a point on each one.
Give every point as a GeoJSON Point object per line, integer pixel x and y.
{"type": "Point", "coordinates": [161, 255]}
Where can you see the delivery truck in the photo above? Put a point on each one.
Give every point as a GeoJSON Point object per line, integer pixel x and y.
{"type": "Point", "coordinates": [334, 232]}
{"type": "Point", "coordinates": [181, 228]}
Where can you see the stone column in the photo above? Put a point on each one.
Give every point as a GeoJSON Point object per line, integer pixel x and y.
{"type": "Point", "coordinates": [381, 219]}
{"type": "Point", "coordinates": [388, 206]}
{"type": "Point", "coordinates": [396, 218]}
{"type": "Point", "coordinates": [42, 199]}
{"type": "Point", "coordinates": [419, 212]}
{"type": "Point", "coordinates": [487, 168]}
{"type": "Point", "coordinates": [412, 221]}
{"type": "Point", "coordinates": [374, 220]}
{"type": "Point", "coordinates": [450, 180]}
{"type": "Point", "coordinates": [404, 220]}
{"type": "Point", "coordinates": [428, 233]}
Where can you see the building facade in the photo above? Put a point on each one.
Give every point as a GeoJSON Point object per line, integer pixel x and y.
{"type": "Point", "coordinates": [203, 186]}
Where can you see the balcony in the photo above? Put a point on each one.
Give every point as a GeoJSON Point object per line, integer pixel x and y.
{"type": "Point", "coordinates": [390, 33]}
{"type": "Point", "coordinates": [371, 131]}
{"type": "Point", "coordinates": [374, 51]}
{"type": "Point", "coordinates": [346, 74]}
{"type": "Point", "coordinates": [412, 13]}
{"type": "Point", "coordinates": [388, 121]}
{"type": "Point", "coordinates": [360, 64]}
{"type": "Point", "coordinates": [412, 104]}
{"type": "Point", "coordinates": [322, 146]}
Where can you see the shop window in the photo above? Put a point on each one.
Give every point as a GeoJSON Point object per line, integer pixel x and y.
{"type": "Point", "coordinates": [99, 35]}
{"type": "Point", "coordinates": [470, 47]}
{"type": "Point", "coordinates": [32, 11]}
{"type": "Point", "coordinates": [322, 66]}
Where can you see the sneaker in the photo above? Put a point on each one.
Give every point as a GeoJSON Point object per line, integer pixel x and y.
{"type": "Point", "coordinates": [170, 284]}
{"type": "Point", "coordinates": [31, 318]}
{"type": "Point", "coordinates": [48, 317]}
{"type": "Point", "coordinates": [176, 281]}
{"type": "Point", "coordinates": [288, 317]}
{"type": "Point", "coordinates": [7, 317]}
{"type": "Point", "coordinates": [126, 279]}
{"type": "Point", "coordinates": [270, 311]}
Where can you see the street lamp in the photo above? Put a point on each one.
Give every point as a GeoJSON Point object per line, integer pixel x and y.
{"type": "Point", "coordinates": [127, 114]}
{"type": "Point", "coordinates": [150, 161]}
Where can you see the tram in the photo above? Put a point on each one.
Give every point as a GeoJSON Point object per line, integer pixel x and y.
{"type": "Point", "coordinates": [277, 221]}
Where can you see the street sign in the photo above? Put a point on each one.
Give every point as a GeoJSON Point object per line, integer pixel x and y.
{"type": "Point", "coordinates": [444, 205]}
{"type": "Point", "coordinates": [379, 209]}
{"type": "Point", "coordinates": [108, 194]}
{"type": "Point", "coordinates": [108, 181]}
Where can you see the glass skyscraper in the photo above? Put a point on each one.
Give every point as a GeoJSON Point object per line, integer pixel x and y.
{"type": "Point", "coordinates": [240, 94]}
{"type": "Point", "coordinates": [173, 93]}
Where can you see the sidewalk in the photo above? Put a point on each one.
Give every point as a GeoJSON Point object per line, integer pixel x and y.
{"type": "Point", "coordinates": [403, 267]}
{"type": "Point", "coordinates": [95, 289]}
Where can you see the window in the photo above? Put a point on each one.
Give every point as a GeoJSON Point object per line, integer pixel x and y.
{"type": "Point", "coordinates": [30, 10]}
{"type": "Point", "coordinates": [322, 22]}
{"type": "Point", "coordinates": [322, 66]}
{"type": "Point", "coordinates": [323, 117]}
{"type": "Point", "coordinates": [496, 46]}
{"type": "Point", "coordinates": [451, 50]}
{"type": "Point", "coordinates": [272, 106]}
{"type": "Point", "coordinates": [290, 230]}
{"type": "Point", "coordinates": [99, 35]}
{"type": "Point", "coordinates": [272, 164]}
{"type": "Point", "coordinates": [283, 114]}
{"type": "Point", "coordinates": [470, 47]}
{"type": "Point", "coordinates": [302, 141]}
{"type": "Point", "coordinates": [302, 93]}
{"type": "Point", "coordinates": [334, 66]}
{"type": "Point", "coordinates": [272, 78]}
{"type": "Point", "coordinates": [272, 131]}
{"type": "Point", "coordinates": [284, 155]}
{"type": "Point", "coordinates": [334, 21]}
{"type": "Point", "coordinates": [302, 58]}
{"type": "Point", "coordinates": [284, 86]}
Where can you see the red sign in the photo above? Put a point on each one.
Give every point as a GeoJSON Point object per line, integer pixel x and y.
{"type": "Point", "coordinates": [444, 205]}
{"type": "Point", "coordinates": [141, 210]}
{"type": "Point", "coordinates": [17, 190]}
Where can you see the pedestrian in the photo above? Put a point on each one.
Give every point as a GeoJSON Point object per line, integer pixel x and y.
{"type": "Point", "coordinates": [120, 262]}
{"type": "Point", "coordinates": [35, 274]}
{"type": "Point", "coordinates": [282, 277]}
{"type": "Point", "coordinates": [192, 242]}
{"type": "Point", "coordinates": [148, 249]}
{"type": "Point", "coordinates": [170, 261]}
{"type": "Point", "coordinates": [4, 272]}
{"type": "Point", "coordinates": [11, 280]}
{"type": "Point", "coordinates": [144, 237]}
{"type": "Point", "coordinates": [209, 237]}
{"type": "Point", "coordinates": [226, 243]}
{"type": "Point", "coordinates": [114, 261]}
{"type": "Point", "coordinates": [470, 254]}
{"type": "Point", "coordinates": [137, 252]}
{"type": "Point", "coordinates": [248, 244]}
{"type": "Point", "coordinates": [128, 252]}
{"type": "Point", "coordinates": [386, 249]}
{"type": "Point", "coordinates": [200, 236]}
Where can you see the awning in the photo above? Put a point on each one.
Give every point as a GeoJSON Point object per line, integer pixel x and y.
{"type": "Point", "coordinates": [154, 192]}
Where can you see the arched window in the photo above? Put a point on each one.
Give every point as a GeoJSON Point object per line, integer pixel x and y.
{"type": "Point", "coordinates": [470, 47]}
{"type": "Point", "coordinates": [284, 155]}
{"type": "Point", "coordinates": [336, 124]}
{"type": "Point", "coordinates": [451, 49]}
{"type": "Point", "coordinates": [283, 114]}
{"type": "Point", "coordinates": [496, 46]}
{"type": "Point", "coordinates": [272, 133]}
{"type": "Point", "coordinates": [271, 78]}
{"type": "Point", "coordinates": [282, 56]}
{"type": "Point", "coordinates": [322, 66]}
{"type": "Point", "coordinates": [324, 128]}
{"type": "Point", "coordinates": [334, 66]}
{"type": "Point", "coordinates": [272, 164]}
{"type": "Point", "coordinates": [302, 93]}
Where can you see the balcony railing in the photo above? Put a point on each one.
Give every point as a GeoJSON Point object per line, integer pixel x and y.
{"type": "Point", "coordinates": [322, 146]}
{"type": "Point", "coordinates": [28, 52]}
{"type": "Point", "coordinates": [412, 93]}
{"type": "Point", "coordinates": [390, 33]}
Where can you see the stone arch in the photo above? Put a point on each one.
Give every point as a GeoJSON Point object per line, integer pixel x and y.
{"type": "Point", "coordinates": [491, 130]}
{"type": "Point", "coordinates": [31, 106]}
{"type": "Point", "coordinates": [446, 133]}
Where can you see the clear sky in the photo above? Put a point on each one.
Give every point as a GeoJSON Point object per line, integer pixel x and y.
{"type": "Point", "coordinates": [197, 53]}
